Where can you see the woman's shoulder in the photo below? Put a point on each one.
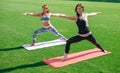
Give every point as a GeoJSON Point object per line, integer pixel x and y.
{"type": "Point", "coordinates": [50, 14]}
{"type": "Point", "coordinates": [85, 13]}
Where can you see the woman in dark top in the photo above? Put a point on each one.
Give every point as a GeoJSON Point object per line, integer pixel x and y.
{"type": "Point", "coordinates": [84, 33]}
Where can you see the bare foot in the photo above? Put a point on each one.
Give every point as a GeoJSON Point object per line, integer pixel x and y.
{"type": "Point", "coordinates": [33, 44]}
{"type": "Point", "coordinates": [64, 39]}
{"type": "Point", "coordinates": [64, 58]}
{"type": "Point", "coordinates": [105, 51]}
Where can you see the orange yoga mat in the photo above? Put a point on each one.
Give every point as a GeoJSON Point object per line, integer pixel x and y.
{"type": "Point", "coordinates": [75, 57]}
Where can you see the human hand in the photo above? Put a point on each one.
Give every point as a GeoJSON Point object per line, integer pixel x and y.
{"type": "Point", "coordinates": [25, 14]}
{"type": "Point", "coordinates": [99, 12]}
{"type": "Point", "coordinates": [28, 13]}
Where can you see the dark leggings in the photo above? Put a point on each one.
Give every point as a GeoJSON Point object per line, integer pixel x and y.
{"type": "Point", "coordinates": [78, 39]}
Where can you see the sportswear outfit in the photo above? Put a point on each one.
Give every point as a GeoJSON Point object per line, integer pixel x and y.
{"type": "Point", "coordinates": [49, 28]}
{"type": "Point", "coordinates": [83, 33]}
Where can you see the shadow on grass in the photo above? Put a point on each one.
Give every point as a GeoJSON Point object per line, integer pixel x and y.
{"type": "Point", "coordinates": [9, 49]}
{"type": "Point", "coordinates": [22, 67]}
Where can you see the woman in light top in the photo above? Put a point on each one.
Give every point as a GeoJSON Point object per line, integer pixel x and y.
{"type": "Point", "coordinates": [84, 32]}
{"type": "Point", "coordinates": [47, 26]}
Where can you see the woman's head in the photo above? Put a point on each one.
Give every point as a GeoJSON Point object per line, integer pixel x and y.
{"type": "Point", "coordinates": [45, 8]}
{"type": "Point", "coordinates": [79, 8]}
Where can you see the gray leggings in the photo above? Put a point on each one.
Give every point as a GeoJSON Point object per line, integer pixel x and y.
{"type": "Point", "coordinates": [47, 29]}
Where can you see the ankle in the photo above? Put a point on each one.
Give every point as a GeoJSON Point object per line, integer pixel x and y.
{"type": "Point", "coordinates": [33, 44]}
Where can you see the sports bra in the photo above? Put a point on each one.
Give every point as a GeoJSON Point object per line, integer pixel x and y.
{"type": "Point", "coordinates": [45, 18]}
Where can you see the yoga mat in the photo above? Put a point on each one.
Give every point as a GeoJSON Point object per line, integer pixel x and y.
{"type": "Point", "coordinates": [75, 57]}
{"type": "Point", "coordinates": [44, 44]}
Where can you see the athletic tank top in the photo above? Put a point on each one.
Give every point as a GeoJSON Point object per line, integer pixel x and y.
{"type": "Point", "coordinates": [82, 24]}
{"type": "Point", "coordinates": [45, 18]}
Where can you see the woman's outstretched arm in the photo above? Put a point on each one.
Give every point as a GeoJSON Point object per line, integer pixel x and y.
{"type": "Point", "coordinates": [63, 16]}
{"type": "Point", "coordinates": [93, 14]}
{"type": "Point", "coordinates": [33, 14]}
{"type": "Point", "coordinates": [69, 17]}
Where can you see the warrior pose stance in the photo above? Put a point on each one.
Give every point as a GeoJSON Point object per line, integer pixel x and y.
{"type": "Point", "coordinates": [47, 26]}
{"type": "Point", "coordinates": [84, 33]}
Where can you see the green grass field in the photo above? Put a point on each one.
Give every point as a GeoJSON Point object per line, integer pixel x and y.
{"type": "Point", "coordinates": [17, 29]}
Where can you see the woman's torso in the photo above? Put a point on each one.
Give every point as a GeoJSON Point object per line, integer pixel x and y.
{"type": "Point", "coordinates": [82, 24]}
{"type": "Point", "coordinates": [45, 19]}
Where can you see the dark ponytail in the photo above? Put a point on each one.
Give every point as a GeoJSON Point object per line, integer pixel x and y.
{"type": "Point", "coordinates": [82, 6]}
